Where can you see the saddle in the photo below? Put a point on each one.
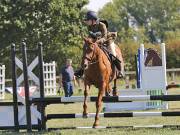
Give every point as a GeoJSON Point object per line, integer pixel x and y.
{"type": "Point", "coordinates": [107, 52]}
{"type": "Point", "coordinates": [113, 60]}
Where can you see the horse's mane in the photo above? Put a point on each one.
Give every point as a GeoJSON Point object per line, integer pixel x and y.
{"type": "Point", "coordinates": [106, 59]}
{"type": "Point", "coordinates": [98, 46]}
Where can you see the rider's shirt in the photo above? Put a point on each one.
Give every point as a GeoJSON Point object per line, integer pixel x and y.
{"type": "Point", "coordinates": [99, 27]}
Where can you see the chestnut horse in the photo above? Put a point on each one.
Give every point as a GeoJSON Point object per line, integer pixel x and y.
{"type": "Point", "coordinates": [98, 71]}
{"type": "Point", "coordinates": [152, 59]}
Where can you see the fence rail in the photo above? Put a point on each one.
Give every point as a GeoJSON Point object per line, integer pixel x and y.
{"type": "Point", "coordinates": [171, 73]}
{"type": "Point", "coordinates": [174, 70]}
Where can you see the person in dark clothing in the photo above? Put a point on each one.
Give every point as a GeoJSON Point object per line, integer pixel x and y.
{"type": "Point", "coordinates": [96, 28]}
{"type": "Point", "coordinates": [67, 77]}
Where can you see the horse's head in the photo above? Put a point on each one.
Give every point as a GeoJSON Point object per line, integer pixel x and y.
{"type": "Point", "coordinates": [89, 52]}
{"type": "Point", "coordinates": [152, 55]}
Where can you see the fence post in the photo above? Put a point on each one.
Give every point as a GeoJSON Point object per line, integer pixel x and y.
{"type": "Point", "coordinates": [26, 86]}
{"type": "Point", "coordinates": [41, 79]}
{"type": "Point", "coordinates": [14, 76]}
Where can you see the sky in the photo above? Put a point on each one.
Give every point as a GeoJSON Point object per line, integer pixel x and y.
{"type": "Point", "coordinates": [95, 5]}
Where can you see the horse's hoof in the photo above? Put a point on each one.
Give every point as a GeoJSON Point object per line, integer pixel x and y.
{"type": "Point", "coordinates": [95, 125]}
{"type": "Point", "coordinates": [108, 94]}
{"type": "Point", "coordinates": [115, 94]}
{"type": "Point", "coordinates": [85, 115]}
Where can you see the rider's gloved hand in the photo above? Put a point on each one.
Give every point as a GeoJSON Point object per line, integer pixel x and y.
{"type": "Point", "coordinates": [98, 34]}
{"type": "Point", "coordinates": [95, 34]}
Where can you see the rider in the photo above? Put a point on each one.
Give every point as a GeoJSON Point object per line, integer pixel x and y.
{"type": "Point", "coordinates": [98, 30]}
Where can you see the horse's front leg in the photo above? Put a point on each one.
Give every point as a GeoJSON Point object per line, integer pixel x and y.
{"type": "Point", "coordinates": [85, 112]}
{"type": "Point", "coordinates": [99, 104]}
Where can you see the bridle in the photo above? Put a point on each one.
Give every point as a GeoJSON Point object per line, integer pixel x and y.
{"type": "Point", "coordinates": [90, 59]}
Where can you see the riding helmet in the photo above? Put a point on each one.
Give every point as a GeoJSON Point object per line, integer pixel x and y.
{"type": "Point", "coordinates": [91, 15]}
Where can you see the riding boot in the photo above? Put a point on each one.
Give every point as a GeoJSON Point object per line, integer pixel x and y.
{"type": "Point", "coordinates": [78, 73]}
{"type": "Point", "coordinates": [117, 63]}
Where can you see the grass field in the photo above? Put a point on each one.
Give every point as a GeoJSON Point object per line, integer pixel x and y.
{"type": "Point", "coordinates": [77, 108]}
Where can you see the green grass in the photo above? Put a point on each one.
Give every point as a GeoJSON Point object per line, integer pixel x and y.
{"type": "Point", "coordinates": [105, 132]}
{"type": "Point", "coordinates": [77, 108]}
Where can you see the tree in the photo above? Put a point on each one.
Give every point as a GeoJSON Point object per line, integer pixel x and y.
{"type": "Point", "coordinates": [156, 15]}
{"type": "Point", "coordinates": [57, 23]}
{"type": "Point", "coordinates": [67, 18]}
{"type": "Point", "coordinates": [156, 19]}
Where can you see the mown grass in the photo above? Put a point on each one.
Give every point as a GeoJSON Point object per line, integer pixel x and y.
{"type": "Point", "coordinates": [77, 108]}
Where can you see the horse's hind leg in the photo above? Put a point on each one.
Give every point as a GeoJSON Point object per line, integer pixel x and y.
{"type": "Point", "coordinates": [108, 90]}
{"type": "Point", "coordinates": [115, 88]}
{"type": "Point", "coordinates": [99, 105]}
{"type": "Point", "coordinates": [85, 112]}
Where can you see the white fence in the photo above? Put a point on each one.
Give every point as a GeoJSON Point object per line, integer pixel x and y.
{"type": "Point", "coordinates": [2, 82]}
{"type": "Point", "coordinates": [6, 112]}
{"type": "Point", "coordinates": [172, 76]}
{"type": "Point", "coordinates": [49, 78]}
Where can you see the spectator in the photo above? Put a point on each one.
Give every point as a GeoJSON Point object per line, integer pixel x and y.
{"type": "Point", "coordinates": [66, 78]}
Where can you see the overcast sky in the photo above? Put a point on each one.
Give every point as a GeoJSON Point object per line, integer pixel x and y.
{"type": "Point", "coordinates": [95, 5]}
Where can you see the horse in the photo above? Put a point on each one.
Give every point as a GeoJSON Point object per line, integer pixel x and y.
{"type": "Point", "coordinates": [153, 58]}
{"type": "Point", "coordinates": [98, 71]}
